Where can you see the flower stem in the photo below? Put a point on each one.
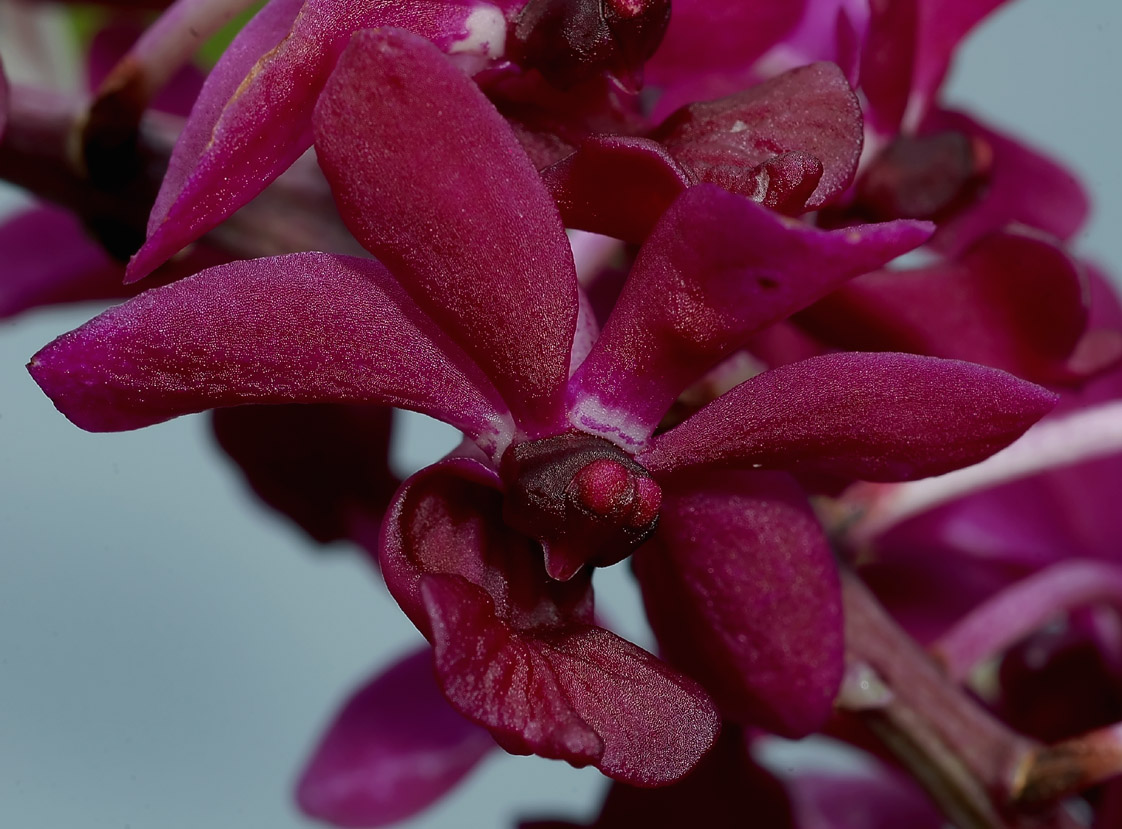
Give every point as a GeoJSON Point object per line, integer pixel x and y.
{"type": "Point", "coordinates": [966, 759]}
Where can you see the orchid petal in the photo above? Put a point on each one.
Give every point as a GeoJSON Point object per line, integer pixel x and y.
{"type": "Point", "coordinates": [196, 192]}
{"type": "Point", "coordinates": [616, 185]}
{"type": "Point", "coordinates": [1014, 301]}
{"type": "Point", "coordinates": [888, 62]}
{"type": "Point", "coordinates": [1022, 185]}
{"type": "Point", "coordinates": [742, 592]}
{"type": "Point", "coordinates": [810, 110]}
{"type": "Point", "coordinates": [241, 137]}
{"type": "Point", "coordinates": [394, 748]}
{"type": "Point", "coordinates": [303, 328]}
{"type": "Point", "coordinates": [49, 258]}
{"type": "Point", "coordinates": [518, 652]}
{"type": "Point", "coordinates": [716, 269]}
{"type": "Point", "coordinates": [876, 417]}
{"type": "Point", "coordinates": [475, 239]}
{"type": "Point", "coordinates": [860, 801]}
{"type": "Point", "coordinates": [710, 46]}
{"type": "Point", "coordinates": [322, 466]}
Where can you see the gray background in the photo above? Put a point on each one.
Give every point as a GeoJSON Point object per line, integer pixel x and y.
{"type": "Point", "coordinates": [169, 650]}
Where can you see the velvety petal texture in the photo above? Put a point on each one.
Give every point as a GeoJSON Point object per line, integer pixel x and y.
{"type": "Point", "coordinates": [324, 466]}
{"type": "Point", "coordinates": [519, 652]}
{"type": "Point", "coordinates": [810, 110]}
{"type": "Point", "coordinates": [475, 239]}
{"type": "Point", "coordinates": [875, 417]}
{"type": "Point", "coordinates": [303, 328]}
{"type": "Point", "coordinates": [742, 592]}
{"type": "Point", "coordinates": [241, 136]}
{"type": "Point", "coordinates": [1015, 301]}
{"type": "Point", "coordinates": [394, 748]}
{"type": "Point", "coordinates": [717, 268]}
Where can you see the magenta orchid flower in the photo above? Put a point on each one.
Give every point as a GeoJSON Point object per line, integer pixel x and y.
{"type": "Point", "coordinates": [473, 315]}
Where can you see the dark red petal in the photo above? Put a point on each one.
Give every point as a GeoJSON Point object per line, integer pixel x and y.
{"type": "Point", "coordinates": [394, 748]}
{"type": "Point", "coordinates": [876, 417]}
{"type": "Point", "coordinates": [518, 652]}
{"type": "Point", "coordinates": [717, 268]}
{"type": "Point", "coordinates": [303, 328]}
{"type": "Point", "coordinates": [616, 185]}
{"type": "Point", "coordinates": [810, 110]}
{"type": "Point", "coordinates": [323, 466]}
{"type": "Point", "coordinates": [742, 592]}
{"type": "Point", "coordinates": [579, 694]}
{"type": "Point", "coordinates": [475, 239]}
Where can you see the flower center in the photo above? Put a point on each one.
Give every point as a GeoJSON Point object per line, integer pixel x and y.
{"type": "Point", "coordinates": [583, 498]}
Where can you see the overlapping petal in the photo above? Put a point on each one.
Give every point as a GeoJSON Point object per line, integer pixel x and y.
{"type": "Point", "coordinates": [476, 238]}
{"type": "Point", "coordinates": [303, 328]}
{"type": "Point", "coordinates": [1022, 185]}
{"type": "Point", "coordinates": [519, 652]}
{"type": "Point", "coordinates": [1015, 301]}
{"type": "Point", "coordinates": [394, 748]}
{"type": "Point", "coordinates": [243, 134]}
{"type": "Point", "coordinates": [324, 466]}
{"type": "Point", "coordinates": [810, 110]}
{"type": "Point", "coordinates": [742, 592]}
{"type": "Point", "coordinates": [717, 268]}
{"type": "Point", "coordinates": [875, 417]}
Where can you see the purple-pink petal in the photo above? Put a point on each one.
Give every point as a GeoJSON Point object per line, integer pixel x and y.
{"type": "Point", "coordinates": [241, 137]}
{"type": "Point", "coordinates": [196, 193]}
{"type": "Point", "coordinates": [1015, 301]}
{"type": "Point", "coordinates": [710, 46]}
{"type": "Point", "coordinates": [1022, 186]}
{"type": "Point", "coordinates": [742, 592]}
{"type": "Point", "coordinates": [717, 268]}
{"type": "Point", "coordinates": [875, 417]}
{"type": "Point", "coordinates": [475, 238]}
{"type": "Point", "coordinates": [303, 328]}
{"type": "Point", "coordinates": [518, 652]}
{"type": "Point", "coordinates": [809, 110]}
{"type": "Point", "coordinates": [394, 748]}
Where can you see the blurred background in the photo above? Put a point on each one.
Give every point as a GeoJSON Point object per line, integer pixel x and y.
{"type": "Point", "coordinates": [170, 650]}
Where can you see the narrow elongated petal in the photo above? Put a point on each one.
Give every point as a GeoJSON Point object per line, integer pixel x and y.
{"type": "Point", "coordinates": [743, 594]}
{"type": "Point", "coordinates": [716, 269]}
{"type": "Point", "coordinates": [241, 136]}
{"type": "Point", "coordinates": [518, 652]}
{"type": "Point", "coordinates": [190, 202]}
{"type": "Point", "coordinates": [475, 238]}
{"type": "Point", "coordinates": [876, 417]}
{"type": "Point", "coordinates": [394, 748]}
{"type": "Point", "coordinates": [304, 328]}
{"type": "Point", "coordinates": [1014, 301]}
{"type": "Point", "coordinates": [326, 467]}
{"type": "Point", "coordinates": [810, 110]}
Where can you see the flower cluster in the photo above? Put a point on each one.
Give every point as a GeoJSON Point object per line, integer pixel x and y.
{"type": "Point", "coordinates": [746, 398]}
